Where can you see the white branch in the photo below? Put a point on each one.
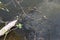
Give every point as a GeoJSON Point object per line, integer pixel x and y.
{"type": "Point", "coordinates": [7, 27]}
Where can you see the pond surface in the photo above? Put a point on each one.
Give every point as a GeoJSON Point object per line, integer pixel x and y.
{"type": "Point", "coordinates": [43, 16]}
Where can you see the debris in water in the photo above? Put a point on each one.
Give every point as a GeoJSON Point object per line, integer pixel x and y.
{"type": "Point", "coordinates": [45, 17]}
{"type": "Point", "coordinates": [0, 2]}
{"type": "Point", "coordinates": [7, 27]}
{"type": "Point", "coordinates": [19, 25]}
{"type": "Point", "coordinates": [7, 10]}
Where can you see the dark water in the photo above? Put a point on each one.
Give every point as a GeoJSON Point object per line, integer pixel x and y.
{"type": "Point", "coordinates": [41, 22]}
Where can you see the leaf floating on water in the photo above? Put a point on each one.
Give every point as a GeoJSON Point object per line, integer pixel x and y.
{"type": "Point", "coordinates": [19, 25]}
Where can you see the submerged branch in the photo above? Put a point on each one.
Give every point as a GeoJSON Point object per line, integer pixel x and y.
{"type": "Point", "coordinates": [7, 27]}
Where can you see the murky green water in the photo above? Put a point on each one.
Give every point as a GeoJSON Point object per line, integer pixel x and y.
{"type": "Point", "coordinates": [10, 15]}
{"type": "Point", "coordinates": [51, 9]}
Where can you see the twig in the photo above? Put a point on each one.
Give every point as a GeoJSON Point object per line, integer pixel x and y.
{"type": "Point", "coordinates": [5, 36]}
